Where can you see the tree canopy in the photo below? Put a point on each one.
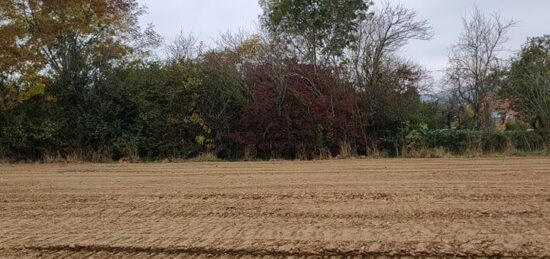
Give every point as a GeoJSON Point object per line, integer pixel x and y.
{"type": "Point", "coordinates": [528, 83]}
{"type": "Point", "coordinates": [40, 38]}
{"type": "Point", "coordinates": [323, 27]}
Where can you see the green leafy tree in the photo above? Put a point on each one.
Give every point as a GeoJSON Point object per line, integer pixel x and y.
{"type": "Point", "coordinates": [529, 82]}
{"type": "Point", "coordinates": [225, 90]}
{"type": "Point", "coordinates": [315, 28]}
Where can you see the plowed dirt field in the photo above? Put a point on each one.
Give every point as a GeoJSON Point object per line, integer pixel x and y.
{"type": "Point", "coordinates": [356, 208]}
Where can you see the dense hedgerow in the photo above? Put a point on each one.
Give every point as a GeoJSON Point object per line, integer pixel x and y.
{"type": "Point", "coordinates": [322, 79]}
{"type": "Point", "coordinates": [464, 141]}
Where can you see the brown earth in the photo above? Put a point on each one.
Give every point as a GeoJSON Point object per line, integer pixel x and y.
{"type": "Point", "coordinates": [441, 208]}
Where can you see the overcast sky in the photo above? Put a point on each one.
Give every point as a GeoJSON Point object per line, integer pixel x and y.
{"type": "Point", "coordinates": [208, 18]}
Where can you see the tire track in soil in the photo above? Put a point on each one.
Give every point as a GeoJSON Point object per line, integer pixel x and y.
{"type": "Point", "coordinates": [132, 252]}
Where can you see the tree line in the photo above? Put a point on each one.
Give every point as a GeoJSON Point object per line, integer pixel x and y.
{"type": "Point", "coordinates": [320, 78]}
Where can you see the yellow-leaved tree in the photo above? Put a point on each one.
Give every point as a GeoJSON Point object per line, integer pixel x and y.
{"type": "Point", "coordinates": [41, 37]}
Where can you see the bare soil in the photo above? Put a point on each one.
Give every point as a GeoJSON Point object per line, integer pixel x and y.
{"type": "Point", "coordinates": [356, 208]}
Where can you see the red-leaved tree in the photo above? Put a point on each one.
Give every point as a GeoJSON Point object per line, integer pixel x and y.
{"type": "Point", "coordinates": [300, 112]}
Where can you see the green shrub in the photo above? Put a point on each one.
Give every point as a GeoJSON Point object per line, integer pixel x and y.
{"type": "Point", "coordinates": [527, 140]}
{"type": "Point", "coordinates": [466, 141]}
{"type": "Point", "coordinates": [516, 126]}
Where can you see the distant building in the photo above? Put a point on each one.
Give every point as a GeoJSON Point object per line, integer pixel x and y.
{"type": "Point", "coordinates": [503, 114]}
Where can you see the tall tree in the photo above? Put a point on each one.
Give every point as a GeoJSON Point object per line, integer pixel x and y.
{"type": "Point", "coordinates": [41, 38]}
{"type": "Point", "coordinates": [474, 62]}
{"type": "Point", "coordinates": [320, 27]}
{"type": "Point", "coordinates": [388, 84]}
{"type": "Point", "coordinates": [528, 84]}
{"type": "Point", "coordinates": [380, 36]}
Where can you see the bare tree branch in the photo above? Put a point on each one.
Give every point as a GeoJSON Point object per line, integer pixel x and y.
{"type": "Point", "coordinates": [474, 59]}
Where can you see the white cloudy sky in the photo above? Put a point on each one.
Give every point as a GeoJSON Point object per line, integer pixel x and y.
{"type": "Point", "coordinates": [208, 18]}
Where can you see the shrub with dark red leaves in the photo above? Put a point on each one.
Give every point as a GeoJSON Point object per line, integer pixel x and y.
{"type": "Point", "coordinates": [300, 113]}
